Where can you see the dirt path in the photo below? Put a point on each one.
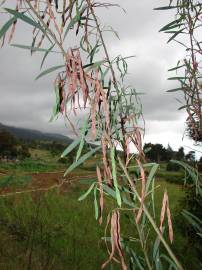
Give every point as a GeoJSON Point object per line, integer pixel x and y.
{"type": "Point", "coordinates": [46, 181]}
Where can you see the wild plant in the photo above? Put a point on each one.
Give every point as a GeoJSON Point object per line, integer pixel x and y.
{"type": "Point", "coordinates": [91, 85]}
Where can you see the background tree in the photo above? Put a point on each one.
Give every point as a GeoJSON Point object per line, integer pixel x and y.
{"type": "Point", "coordinates": [8, 145]}
{"type": "Point", "coordinates": [180, 155]}
{"type": "Point", "coordinates": [190, 156]}
{"type": "Point", "coordinates": [157, 152]}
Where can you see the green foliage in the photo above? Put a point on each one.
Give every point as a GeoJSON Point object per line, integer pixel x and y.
{"type": "Point", "coordinates": [8, 145]}
{"type": "Point", "coordinates": [51, 235]}
{"type": "Point", "coordinates": [172, 167]}
{"type": "Point", "coordinates": [15, 181]}
{"type": "Point", "coordinates": [30, 165]}
{"type": "Point", "coordinates": [158, 153]}
{"type": "Point", "coordinates": [191, 205]}
{"type": "Point", "coordinates": [114, 118]}
{"type": "Point", "coordinates": [184, 30]}
{"type": "Point", "coordinates": [6, 26]}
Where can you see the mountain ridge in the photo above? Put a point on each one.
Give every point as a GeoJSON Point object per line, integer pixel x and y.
{"type": "Point", "coordinates": [33, 134]}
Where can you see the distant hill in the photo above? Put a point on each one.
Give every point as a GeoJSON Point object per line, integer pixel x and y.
{"type": "Point", "coordinates": [31, 134]}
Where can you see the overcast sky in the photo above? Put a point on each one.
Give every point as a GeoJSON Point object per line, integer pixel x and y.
{"type": "Point", "coordinates": [28, 103]}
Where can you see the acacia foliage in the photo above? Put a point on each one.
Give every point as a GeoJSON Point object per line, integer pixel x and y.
{"type": "Point", "coordinates": [89, 81]}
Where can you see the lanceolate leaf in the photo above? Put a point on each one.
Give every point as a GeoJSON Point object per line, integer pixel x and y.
{"type": "Point", "coordinates": [176, 78]}
{"type": "Point", "coordinates": [86, 193]}
{"type": "Point", "coordinates": [151, 175]}
{"type": "Point", "coordinates": [114, 175]}
{"type": "Point", "coordinates": [49, 70]}
{"type": "Point", "coordinates": [6, 26]}
{"type": "Point", "coordinates": [94, 65]}
{"type": "Point", "coordinates": [46, 54]}
{"type": "Point", "coordinates": [71, 24]}
{"type": "Point", "coordinates": [109, 191]}
{"type": "Point", "coordinates": [165, 7]}
{"type": "Point", "coordinates": [70, 147]}
{"type": "Point", "coordinates": [171, 263]}
{"type": "Point", "coordinates": [175, 68]}
{"type": "Point", "coordinates": [24, 18]}
{"type": "Point", "coordinates": [193, 220]}
{"type": "Point", "coordinates": [175, 89]}
{"type": "Point", "coordinates": [95, 203]}
{"type": "Point", "coordinates": [81, 160]}
{"type": "Point", "coordinates": [75, 20]}
{"type": "Point", "coordinates": [83, 132]}
{"type": "Point", "coordinates": [175, 34]}
{"type": "Point", "coordinates": [156, 247]}
{"type": "Point", "coordinates": [56, 107]}
{"type": "Point", "coordinates": [171, 25]}
{"type": "Point", "coordinates": [31, 48]}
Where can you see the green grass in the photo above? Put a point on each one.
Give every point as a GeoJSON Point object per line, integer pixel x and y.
{"type": "Point", "coordinates": [56, 231]}
{"type": "Point", "coordinates": [39, 154]}
{"type": "Point", "coordinates": [30, 165]}
{"type": "Point", "coordinates": [15, 181]}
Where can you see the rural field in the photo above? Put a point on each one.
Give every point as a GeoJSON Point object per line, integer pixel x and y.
{"type": "Point", "coordinates": [44, 226]}
{"type": "Point", "coordinates": [101, 135]}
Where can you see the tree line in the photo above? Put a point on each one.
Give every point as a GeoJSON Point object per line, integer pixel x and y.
{"type": "Point", "coordinates": [158, 153]}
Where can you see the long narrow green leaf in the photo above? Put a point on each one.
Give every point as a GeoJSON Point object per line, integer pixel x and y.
{"type": "Point", "coordinates": [175, 68]}
{"type": "Point", "coordinates": [49, 70]}
{"type": "Point", "coordinates": [56, 106]}
{"type": "Point", "coordinates": [172, 264]}
{"type": "Point", "coordinates": [71, 24]}
{"type": "Point", "coordinates": [95, 65]}
{"type": "Point", "coordinates": [6, 26]}
{"type": "Point", "coordinates": [73, 21]}
{"type": "Point", "coordinates": [82, 197]}
{"type": "Point", "coordinates": [165, 7]}
{"type": "Point", "coordinates": [112, 193]}
{"type": "Point", "coordinates": [31, 48]}
{"type": "Point", "coordinates": [171, 24]}
{"type": "Point", "coordinates": [24, 18]}
{"type": "Point", "coordinates": [114, 175]}
{"type": "Point", "coordinates": [70, 147]}
{"type": "Point", "coordinates": [87, 181]}
{"type": "Point", "coordinates": [81, 160]}
{"type": "Point", "coordinates": [193, 220]}
{"type": "Point", "coordinates": [95, 203]}
{"type": "Point", "coordinates": [175, 34]}
{"type": "Point", "coordinates": [109, 191]}
{"type": "Point", "coordinates": [46, 54]}
{"type": "Point", "coordinates": [176, 78]}
{"type": "Point", "coordinates": [83, 132]}
{"type": "Point", "coordinates": [175, 89]}
{"type": "Point", "coordinates": [151, 175]}
{"type": "Point", "coordinates": [139, 265]}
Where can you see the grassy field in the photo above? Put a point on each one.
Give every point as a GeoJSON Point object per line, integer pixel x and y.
{"type": "Point", "coordinates": [53, 230]}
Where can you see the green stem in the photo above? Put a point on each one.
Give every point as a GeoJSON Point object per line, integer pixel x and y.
{"type": "Point", "coordinates": [143, 246]}
{"type": "Point", "coordinates": [172, 255]}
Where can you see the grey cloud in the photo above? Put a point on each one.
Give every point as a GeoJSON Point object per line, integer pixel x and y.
{"type": "Point", "coordinates": [31, 101]}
